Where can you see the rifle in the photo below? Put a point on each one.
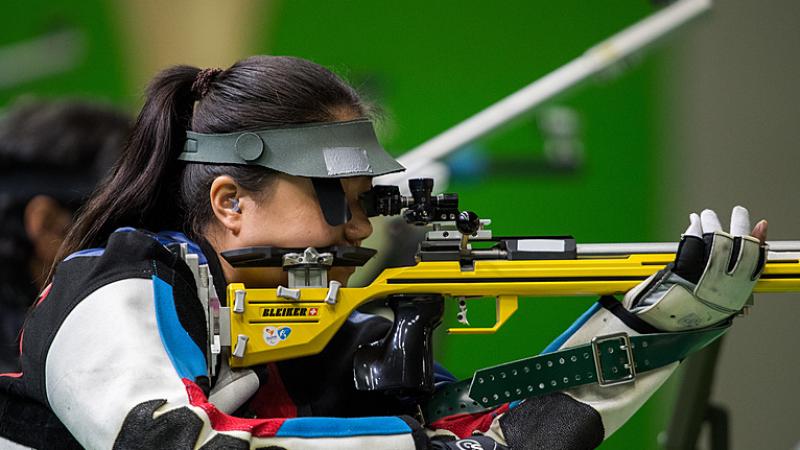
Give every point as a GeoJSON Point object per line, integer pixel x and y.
{"type": "Point", "coordinates": [459, 259]}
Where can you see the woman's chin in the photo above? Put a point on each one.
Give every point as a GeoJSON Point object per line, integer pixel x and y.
{"type": "Point", "coordinates": [341, 274]}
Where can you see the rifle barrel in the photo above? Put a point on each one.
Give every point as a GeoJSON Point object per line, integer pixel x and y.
{"type": "Point", "coordinates": [775, 248]}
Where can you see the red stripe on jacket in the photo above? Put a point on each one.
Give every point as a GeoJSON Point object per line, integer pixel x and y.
{"type": "Point", "coordinates": [224, 422]}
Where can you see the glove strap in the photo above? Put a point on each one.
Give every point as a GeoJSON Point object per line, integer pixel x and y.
{"type": "Point", "coordinates": [609, 360]}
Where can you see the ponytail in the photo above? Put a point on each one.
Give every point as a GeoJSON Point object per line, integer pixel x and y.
{"type": "Point", "coordinates": [140, 189]}
{"type": "Point", "coordinates": [149, 188]}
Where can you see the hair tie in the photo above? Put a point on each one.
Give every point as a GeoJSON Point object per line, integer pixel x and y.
{"type": "Point", "coordinates": [202, 82]}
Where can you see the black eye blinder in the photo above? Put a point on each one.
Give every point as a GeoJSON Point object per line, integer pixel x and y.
{"type": "Point", "coordinates": [332, 200]}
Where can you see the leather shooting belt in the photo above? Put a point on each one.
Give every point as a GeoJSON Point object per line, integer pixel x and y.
{"type": "Point", "coordinates": [609, 360]}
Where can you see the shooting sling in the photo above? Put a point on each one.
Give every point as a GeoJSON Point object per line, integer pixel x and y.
{"type": "Point", "coordinates": [608, 360]}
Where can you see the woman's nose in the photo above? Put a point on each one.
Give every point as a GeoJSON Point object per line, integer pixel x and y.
{"type": "Point", "coordinates": [358, 227]}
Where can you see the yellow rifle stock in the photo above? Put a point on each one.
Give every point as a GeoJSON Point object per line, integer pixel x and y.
{"type": "Point", "coordinates": [274, 328]}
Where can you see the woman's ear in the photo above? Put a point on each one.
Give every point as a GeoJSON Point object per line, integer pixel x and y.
{"type": "Point", "coordinates": [224, 196]}
{"type": "Point", "coordinates": [46, 223]}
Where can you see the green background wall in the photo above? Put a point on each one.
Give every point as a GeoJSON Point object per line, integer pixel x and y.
{"type": "Point", "coordinates": [98, 72]}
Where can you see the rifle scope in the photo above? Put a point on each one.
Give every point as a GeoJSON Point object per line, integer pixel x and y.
{"type": "Point", "coordinates": [420, 208]}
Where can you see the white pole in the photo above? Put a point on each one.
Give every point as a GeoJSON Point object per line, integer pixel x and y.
{"type": "Point", "coordinates": [594, 60]}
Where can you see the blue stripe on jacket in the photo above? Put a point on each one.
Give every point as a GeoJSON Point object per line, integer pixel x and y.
{"type": "Point", "coordinates": [317, 427]}
{"type": "Point", "coordinates": [187, 358]}
{"type": "Point", "coordinates": [559, 341]}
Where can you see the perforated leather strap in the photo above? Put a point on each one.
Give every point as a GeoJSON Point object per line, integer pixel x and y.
{"type": "Point", "coordinates": [609, 360]}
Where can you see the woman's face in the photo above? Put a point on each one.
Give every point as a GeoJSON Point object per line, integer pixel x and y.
{"type": "Point", "coordinates": [289, 215]}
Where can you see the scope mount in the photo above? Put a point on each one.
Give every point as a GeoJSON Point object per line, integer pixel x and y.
{"type": "Point", "coordinates": [454, 231]}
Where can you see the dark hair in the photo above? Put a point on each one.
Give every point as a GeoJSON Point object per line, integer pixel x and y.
{"type": "Point", "coordinates": [76, 139]}
{"type": "Point", "coordinates": [151, 189]}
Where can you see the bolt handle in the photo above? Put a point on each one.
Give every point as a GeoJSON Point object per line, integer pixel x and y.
{"type": "Point", "coordinates": [468, 223]}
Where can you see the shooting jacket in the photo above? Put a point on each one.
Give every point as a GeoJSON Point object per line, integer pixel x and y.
{"type": "Point", "coordinates": [114, 356]}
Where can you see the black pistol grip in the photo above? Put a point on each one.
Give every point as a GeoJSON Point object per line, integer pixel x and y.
{"type": "Point", "coordinates": [402, 361]}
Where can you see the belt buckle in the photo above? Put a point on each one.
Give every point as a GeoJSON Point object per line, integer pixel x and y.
{"type": "Point", "coordinates": [625, 344]}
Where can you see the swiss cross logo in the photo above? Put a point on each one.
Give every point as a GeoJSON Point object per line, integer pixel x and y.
{"type": "Point", "coordinates": [313, 311]}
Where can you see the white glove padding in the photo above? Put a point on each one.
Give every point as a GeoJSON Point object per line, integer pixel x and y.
{"type": "Point", "coordinates": [712, 277]}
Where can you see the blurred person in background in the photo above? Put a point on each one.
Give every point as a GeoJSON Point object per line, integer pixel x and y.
{"type": "Point", "coordinates": [52, 153]}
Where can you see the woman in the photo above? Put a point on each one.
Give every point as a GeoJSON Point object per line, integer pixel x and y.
{"type": "Point", "coordinates": [116, 353]}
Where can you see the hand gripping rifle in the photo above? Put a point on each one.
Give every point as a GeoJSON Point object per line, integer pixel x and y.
{"type": "Point", "coordinates": [267, 325]}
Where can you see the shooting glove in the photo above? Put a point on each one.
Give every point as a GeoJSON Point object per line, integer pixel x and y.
{"type": "Point", "coordinates": [711, 279]}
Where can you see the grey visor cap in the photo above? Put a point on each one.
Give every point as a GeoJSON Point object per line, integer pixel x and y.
{"type": "Point", "coordinates": [318, 150]}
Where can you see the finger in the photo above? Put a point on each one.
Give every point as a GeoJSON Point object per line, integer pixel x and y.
{"type": "Point", "coordinates": [710, 221]}
{"type": "Point", "coordinates": [760, 231]}
{"type": "Point", "coordinates": [740, 221]}
{"type": "Point", "coordinates": [695, 228]}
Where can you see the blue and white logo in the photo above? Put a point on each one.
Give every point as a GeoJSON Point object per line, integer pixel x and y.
{"type": "Point", "coordinates": [274, 336]}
